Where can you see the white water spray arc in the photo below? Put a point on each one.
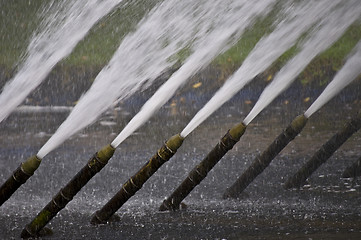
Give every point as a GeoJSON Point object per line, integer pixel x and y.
{"type": "Point", "coordinates": [344, 77]}
{"type": "Point", "coordinates": [226, 29]}
{"type": "Point", "coordinates": [140, 59]}
{"type": "Point", "coordinates": [63, 29]}
{"type": "Point", "coordinates": [298, 20]}
{"type": "Point", "coordinates": [324, 34]}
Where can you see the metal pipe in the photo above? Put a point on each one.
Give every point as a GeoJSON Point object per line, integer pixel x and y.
{"type": "Point", "coordinates": [66, 194]}
{"type": "Point", "coordinates": [136, 182]}
{"type": "Point", "coordinates": [200, 171]}
{"type": "Point", "coordinates": [19, 177]}
{"type": "Point", "coordinates": [324, 153]}
{"type": "Point", "coordinates": [263, 160]}
{"type": "Point", "coordinates": [354, 170]}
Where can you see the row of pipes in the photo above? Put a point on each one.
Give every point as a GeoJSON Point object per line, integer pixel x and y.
{"type": "Point", "coordinates": [199, 172]}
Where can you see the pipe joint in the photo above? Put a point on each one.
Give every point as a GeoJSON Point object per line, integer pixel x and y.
{"type": "Point", "coordinates": [95, 162]}
{"type": "Point", "coordinates": [200, 173]}
{"type": "Point", "coordinates": [228, 141]}
{"type": "Point", "coordinates": [135, 185]}
{"type": "Point", "coordinates": [165, 153]}
{"type": "Point", "coordinates": [125, 190]}
{"type": "Point", "coordinates": [20, 176]}
{"type": "Point", "coordinates": [170, 147]}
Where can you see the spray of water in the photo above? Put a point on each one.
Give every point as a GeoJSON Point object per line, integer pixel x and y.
{"type": "Point", "coordinates": [322, 37]}
{"type": "Point", "coordinates": [67, 23]}
{"type": "Point", "coordinates": [298, 19]}
{"type": "Point", "coordinates": [140, 58]}
{"type": "Point", "coordinates": [229, 19]}
{"type": "Point", "coordinates": [345, 76]}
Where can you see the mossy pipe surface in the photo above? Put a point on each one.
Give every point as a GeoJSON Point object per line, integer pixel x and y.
{"type": "Point", "coordinates": [136, 181]}
{"type": "Point", "coordinates": [201, 170]}
{"type": "Point", "coordinates": [66, 194]}
{"type": "Point", "coordinates": [324, 153]}
{"type": "Point", "coordinates": [19, 177]}
{"type": "Point", "coordinates": [264, 159]}
{"type": "Point", "coordinates": [353, 171]}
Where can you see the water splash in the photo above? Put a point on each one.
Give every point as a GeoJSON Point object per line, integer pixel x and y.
{"type": "Point", "coordinates": [140, 58]}
{"type": "Point", "coordinates": [345, 76]}
{"type": "Point", "coordinates": [297, 21]}
{"type": "Point", "coordinates": [229, 20]}
{"type": "Point", "coordinates": [67, 23]}
{"type": "Point", "coordinates": [323, 36]}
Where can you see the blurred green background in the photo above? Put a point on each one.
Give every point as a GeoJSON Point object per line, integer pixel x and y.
{"type": "Point", "coordinates": [19, 19]}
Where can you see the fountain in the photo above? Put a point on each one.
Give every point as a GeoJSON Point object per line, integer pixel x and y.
{"type": "Point", "coordinates": [316, 43]}
{"type": "Point", "coordinates": [200, 171]}
{"type": "Point", "coordinates": [221, 34]}
{"type": "Point", "coordinates": [136, 182]}
{"type": "Point", "coordinates": [203, 30]}
{"type": "Point", "coordinates": [324, 153]}
{"type": "Point", "coordinates": [19, 177]}
{"type": "Point", "coordinates": [108, 87]}
{"type": "Point", "coordinates": [345, 76]}
{"type": "Point", "coordinates": [66, 194]}
{"type": "Point", "coordinates": [263, 160]}
{"type": "Point", "coordinates": [281, 81]}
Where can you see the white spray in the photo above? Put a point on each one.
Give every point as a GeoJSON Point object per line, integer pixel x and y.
{"type": "Point", "coordinates": [62, 30]}
{"type": "Point", "coordinates": [229, 20]}
{"type": "Point", "coordinates": [298, 20]}
{"type": "Point", "coordinates": [324, 35]}
{"type": "Point", "coordinates": [140, 58]}
{"type": "Point", "coordinates": [345, 76]}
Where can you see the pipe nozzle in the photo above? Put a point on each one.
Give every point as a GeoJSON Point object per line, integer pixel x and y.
{"type": "Point", "coordinates": [237, 131]}
{"type": "Point", "coordinates": [66, 194]}
{"type": "Point", "coordinates": [105, 153]}
{"type": "Point", "coordinates": [299, 122]}
{"type": "Point", "coordinates": [30, 165]}
{"type": "Point", "coordinates": [136, 182]}
{"type": "Point", "coordinates": [19, 177]}
{"type": "Point", "coordinates": [174, 142]}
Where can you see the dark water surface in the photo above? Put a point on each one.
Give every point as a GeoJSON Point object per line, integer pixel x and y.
{"type": "Point", "coordinates": [328, 208]}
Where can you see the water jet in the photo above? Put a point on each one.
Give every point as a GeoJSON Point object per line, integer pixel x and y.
{"type": "Point", "coordinates": [66, 194]}
{"type": "Point", "coordinates": [136, 182]}
{"type": "Point", "coordinates": [66, 24]}
{"type": "Point", "coordinates": [248, 70]}
{"type": "Point", "coordinates": [345, 76]}
{"type": "Point", "coordinates": [151, 47]}
{"type": "Point", "coordinates": [263, 160]}
{"type": "Point", "coordinates": [145, 44]}
{"type": "Point", "coordinates": [75, 227]}
{"type": "Point", "coordinates": [324, 153]}
{"type": "Point", "coordinates": [19, 177]}
{"type": "Point", "coordinates": [201, 170]}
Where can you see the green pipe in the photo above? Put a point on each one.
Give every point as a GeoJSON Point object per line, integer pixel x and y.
{"type": "Point", "coordinates": [200, 171]}
{"type": "Point", "coordinates": [19, 177]}
{"type": "Point", "coordinates": [66, 194]}
{"type": "Point", "coordinates": [263, 160]}
{"type": "Point", "coordinates": [324, 153]}
{"type": "Point", "coordinates": [354, 170]}
{"type": "Point", "coordinates": [136, 182]}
